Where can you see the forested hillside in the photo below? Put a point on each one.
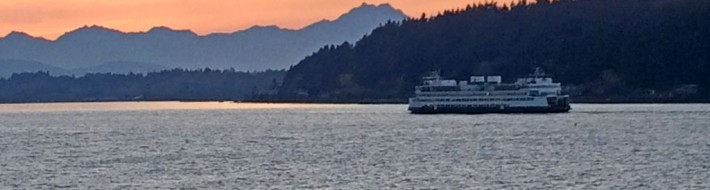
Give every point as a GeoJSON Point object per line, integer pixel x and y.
{"type": "Point", "coordinates": [600, 49]}
{"type": "Point", "coordinates": [176, 84]}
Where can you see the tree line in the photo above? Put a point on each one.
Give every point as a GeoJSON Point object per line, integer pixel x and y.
{"type": "Point", "coordinates": [176, 84]}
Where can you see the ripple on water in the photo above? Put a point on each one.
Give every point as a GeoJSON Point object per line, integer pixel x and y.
{"type": "Point", "coordinates": [631, 146]}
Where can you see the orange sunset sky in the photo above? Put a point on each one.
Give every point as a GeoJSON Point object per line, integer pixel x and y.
{"type": "Point", "coordinates": [52, 18]}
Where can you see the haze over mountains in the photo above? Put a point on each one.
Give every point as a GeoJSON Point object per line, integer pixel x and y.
{"type": "Point", "coordinates": [100, 49]}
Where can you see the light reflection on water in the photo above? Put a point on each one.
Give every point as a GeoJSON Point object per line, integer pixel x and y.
{"type": "Point", "coordinates": [135, 106]}
{"type": "Point", "coordinates": [212, 145]}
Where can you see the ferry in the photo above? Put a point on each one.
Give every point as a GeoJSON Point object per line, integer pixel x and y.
{"type": "Point", "coordinates": [535, 93]}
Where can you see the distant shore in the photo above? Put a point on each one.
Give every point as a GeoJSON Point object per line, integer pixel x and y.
{"type": "Point", "coordinates": [367, 101]}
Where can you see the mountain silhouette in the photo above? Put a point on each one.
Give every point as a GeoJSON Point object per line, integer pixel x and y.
{"type": "Point", "coordinates": [10, 66]}
{"type": "Point", "coordinates": [256, 48]}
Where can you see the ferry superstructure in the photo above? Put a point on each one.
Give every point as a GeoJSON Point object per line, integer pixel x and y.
{"type": "Point", "coordinates": [536, 93]}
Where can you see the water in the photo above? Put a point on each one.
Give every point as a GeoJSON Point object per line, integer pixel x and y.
{"type": "Point", "coordinates": [287, 146]}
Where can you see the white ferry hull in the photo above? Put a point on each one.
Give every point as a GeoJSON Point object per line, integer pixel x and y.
{"type": "Point", "coordinates": [479, 110]}
{"type": "Point", "coordinates": [521, 105]}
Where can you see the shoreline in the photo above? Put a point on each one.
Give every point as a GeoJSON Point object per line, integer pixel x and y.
{"type": "Point", "coordinates": [360, 102]}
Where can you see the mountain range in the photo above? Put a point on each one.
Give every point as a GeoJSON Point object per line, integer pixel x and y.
{"type": "Point", "coordinates": [100, 49]}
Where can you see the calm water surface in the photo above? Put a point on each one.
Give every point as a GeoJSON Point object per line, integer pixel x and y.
{"type": "Point", "coordinates": [286, 146]}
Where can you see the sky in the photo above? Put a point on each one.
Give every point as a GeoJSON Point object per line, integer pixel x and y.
{"type": "Point", "coordinates": [51, 18]}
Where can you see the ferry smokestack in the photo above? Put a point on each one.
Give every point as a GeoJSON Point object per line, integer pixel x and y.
{"type": "Point", "coordinates": [494, 79]}
{"type": "Point", "coordinates": [478, 79]}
